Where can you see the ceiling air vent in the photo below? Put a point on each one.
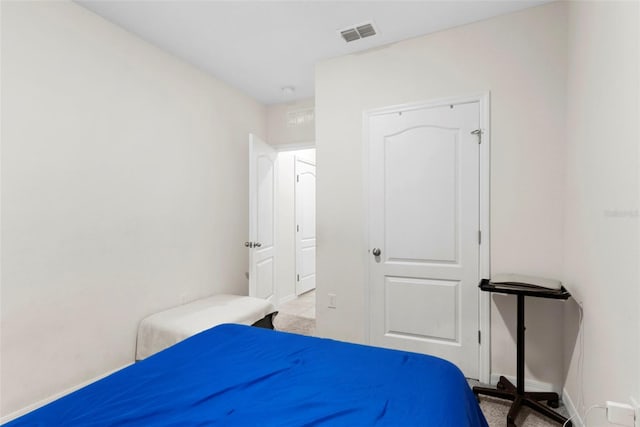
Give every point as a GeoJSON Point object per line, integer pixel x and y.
{"type": "Point", "coordinates": [350, 35]}
{"type": "Point", "coordinates": [359, 32]}
{"type": "Point", "coordinates": [366, 30]}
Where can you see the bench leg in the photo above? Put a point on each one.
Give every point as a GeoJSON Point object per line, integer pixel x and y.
{"type": "Point", "coordinates": [266, 322]}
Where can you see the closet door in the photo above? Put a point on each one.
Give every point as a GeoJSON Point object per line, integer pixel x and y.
{"type": "Point", "coordinates": [424, 232]}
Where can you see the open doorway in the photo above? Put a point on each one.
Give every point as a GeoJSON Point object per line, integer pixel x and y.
{"type": "Point", "coordinates": [295, 268]}
{"type": "Point", "coordinates": [291, 132]}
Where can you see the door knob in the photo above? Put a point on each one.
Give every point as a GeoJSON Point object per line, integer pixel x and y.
{"type": "Point", "coordinates": [248, 244]}
{"type": "Point", "coordinates": [376, 251]}
{"type": "Point", "coordinates": [257, 244]}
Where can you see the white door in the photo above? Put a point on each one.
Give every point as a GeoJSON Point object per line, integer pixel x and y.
{"type": "Point", "coordinates": [305, 201]}
{"type": "Point", "coordinates": [424, 223]}
{"type": "Point", "coordinates": [261, 244]}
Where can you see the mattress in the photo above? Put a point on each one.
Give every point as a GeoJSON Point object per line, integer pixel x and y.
{"type": "Point", "coordinates": [166, 328]}
{"type": "Point", "coordinates": [235, 375]}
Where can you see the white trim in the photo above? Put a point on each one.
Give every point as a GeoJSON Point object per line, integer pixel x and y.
{"type": "Point", "coordinates": [434, 103]}
{"type": "Point", "coordinates": [576, 420]}
{"type": "Point", "coordinates": [276, 227]}
{"type": "Point", "coordinates": [529, 385]}
{"type": "Point", "coordinates": [252, 175]}
{"type": "Point", "coordinates": [294, 146]}
{"type": "Point", "coordinates": [41, 403]}
{"type": "Point", "coordinates": [303, 160]}
{"type": "Point", "coordinates": [366, 115]}
{"type": "Point", "coordinates": [484, 301]}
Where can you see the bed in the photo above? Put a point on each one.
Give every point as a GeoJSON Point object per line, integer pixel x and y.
{"type": "Point", "coordinates": [166, 328]}
{"type": "Point", "coordinates": [236, 375]}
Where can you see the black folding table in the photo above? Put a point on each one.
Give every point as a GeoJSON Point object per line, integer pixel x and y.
{"type": "Point", "coordinates": [505, 388]}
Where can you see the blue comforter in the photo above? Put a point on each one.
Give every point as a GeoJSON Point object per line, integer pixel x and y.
{"type": "Point", "coordinates": [235, 375]}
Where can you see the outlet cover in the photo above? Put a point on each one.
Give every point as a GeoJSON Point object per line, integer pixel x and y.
{"type": "Point", "coordinates": [621, 414]}
{"type": "Point", "coordinates": [332, 300]}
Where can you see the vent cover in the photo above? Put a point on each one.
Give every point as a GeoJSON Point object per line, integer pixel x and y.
{"type": "Point", "coordinates": [359, 32]}
{"type": "Point", "coordinates": [300, 117]}
{"type": "Point", "coordinates": [366, 30]}
{"type": "Point", "coordinates": [350, 35]}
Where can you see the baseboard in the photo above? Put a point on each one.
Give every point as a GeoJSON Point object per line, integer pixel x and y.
{"type": "Point", "coordinates": [529, 385]}
{"type": "Point", "coordinates": [571, 409]}
{"type": "Point", "coordinates": [20, 412]}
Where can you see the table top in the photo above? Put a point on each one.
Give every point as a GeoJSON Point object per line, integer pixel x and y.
{"type": "Point", "coordinates": [523, 289]}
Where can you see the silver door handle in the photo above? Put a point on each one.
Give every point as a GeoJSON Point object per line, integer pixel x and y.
{"type": "Point", "coordinates": [376, 251]}
{"type": "Point", "coordinates": [257, 244]}
{"type": "Point", "coordinates": [248, 244]}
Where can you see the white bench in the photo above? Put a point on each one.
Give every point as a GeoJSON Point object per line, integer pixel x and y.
{"type": "Point", "coordinates": [166, 328]}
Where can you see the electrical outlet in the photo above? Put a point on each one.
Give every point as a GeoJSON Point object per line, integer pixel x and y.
{"type": "Point", "coordinates": [621, 414]}
{"type": "Point", "coordinates": [332, 300]}
{"type": "Point", "coordinates": [636, 406]}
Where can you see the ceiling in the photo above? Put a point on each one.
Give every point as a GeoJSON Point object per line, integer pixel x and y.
{"type": "Point", "coordinates": [260, 47]}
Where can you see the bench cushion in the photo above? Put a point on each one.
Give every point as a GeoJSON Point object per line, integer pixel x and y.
{"type": "Point", "coordinates": [166, 328]}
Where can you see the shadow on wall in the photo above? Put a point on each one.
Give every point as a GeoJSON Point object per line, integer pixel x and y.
{"type": "Point", "coordinates": [573, 323]}
{"type": "Point", "coordinates": [544, 343]}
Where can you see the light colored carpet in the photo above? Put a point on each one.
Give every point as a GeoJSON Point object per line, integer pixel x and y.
{"type": "Point", "coordinates": [495, 410]}
{"type": "Point", "coordinates": [295, 324]}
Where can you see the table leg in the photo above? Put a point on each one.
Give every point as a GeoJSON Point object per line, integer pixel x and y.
{"type": "Point", "coordinates": [506, 390]}
{"type": "Point", "coordinates": [520, 347]}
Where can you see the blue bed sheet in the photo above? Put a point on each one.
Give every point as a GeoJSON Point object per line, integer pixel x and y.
{"type": "Point", "coordinates": [236, 375]}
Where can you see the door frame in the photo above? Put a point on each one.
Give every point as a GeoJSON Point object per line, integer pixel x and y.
{"type": "Point", "coordinates": [283, 148]}
{"type": "Point", "coordinates": [484, 300]}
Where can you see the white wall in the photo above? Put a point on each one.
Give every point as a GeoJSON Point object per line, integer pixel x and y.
{"type": "Point", "coordinates": [602, 198]}
{"type": "Point", "coordinates": [521, 59]}
{"type": "Point", "coordinates": [280, 131]}
{"type": "Point", "coordinates": [124, 191]}
{"type": "Point", "coordinates": [286, 235]}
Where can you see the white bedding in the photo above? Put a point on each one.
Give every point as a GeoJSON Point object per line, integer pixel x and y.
{"type": "Point", "coordinates": [164, 329]}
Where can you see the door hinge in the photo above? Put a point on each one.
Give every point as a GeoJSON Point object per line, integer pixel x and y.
{"type": "Point", "coordinates": [479, 337]}
{"type": "Point", "coordinates": [297, 227]}
{"type": "Point", "coordinates": [297, 178]}
{"type": "Point", "coordinates": [479, 133]}
{"type": "Point", "coordinates": [298, 277]}
{"type": "Point", "coordinates": [479, 237]}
